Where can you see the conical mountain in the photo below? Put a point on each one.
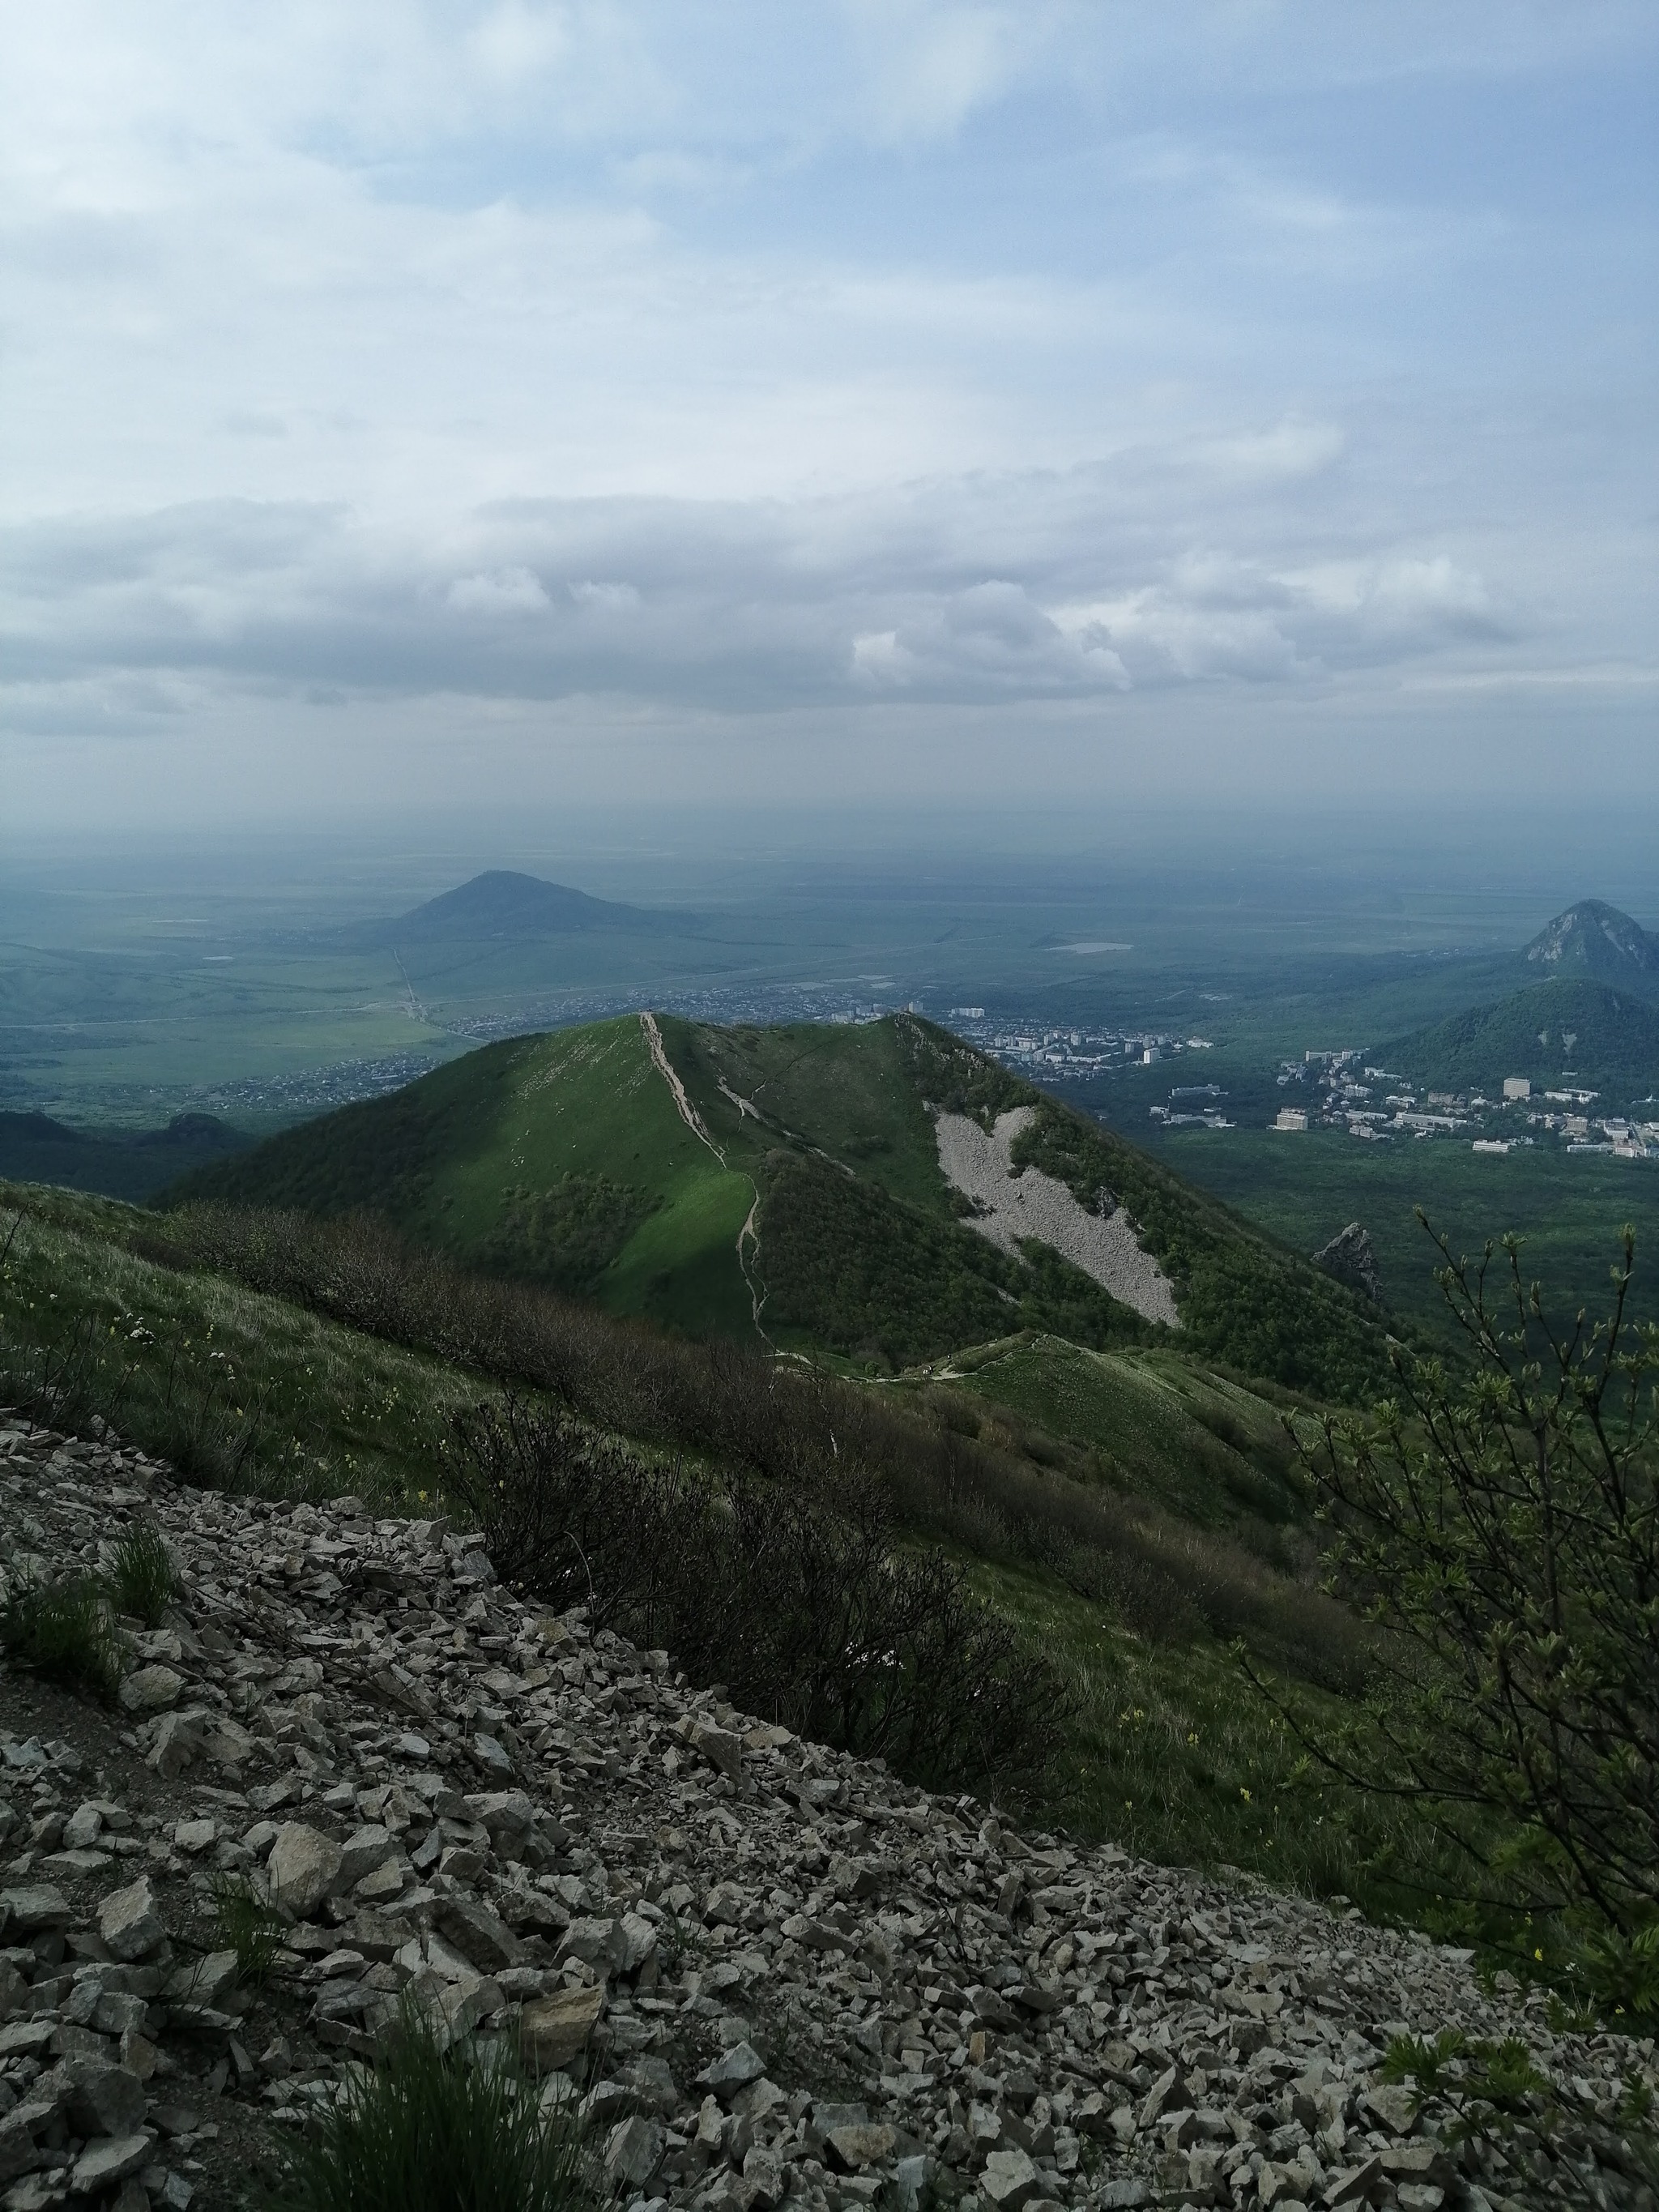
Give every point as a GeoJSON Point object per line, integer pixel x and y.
{"type": "Point", "coordinates": [1594, 941]}
{"type": "Point", "coordinates": [502, 904]}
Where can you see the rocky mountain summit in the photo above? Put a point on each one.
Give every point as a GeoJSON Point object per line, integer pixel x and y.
{"type": "Point", "coordinates": [1595, 939]}
{"type": "Point", "coordinates": [767, 1975]}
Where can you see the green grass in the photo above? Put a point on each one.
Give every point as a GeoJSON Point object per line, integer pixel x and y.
{"type": "Point", "coordinates": [680, 1268]}
{"type": "Point", "coordinates": [62, 1631]}
{"type": "Point", "coordinates": [1175, 1758]}
{"type": "Point", "coordinates": [139, 1578]}
{"type": "Point", "coordinates": [428, 2128]}
{"type": "Point", "coordinates": [1305, 1187]}
{"type": "Point", "coordinates": [846, 1092]}
{"type": "Point", "coordinates": [244, 1925]}
{"type": "Point", "coordinates": [1208, 1448]}
{"type": "Point", "coordinates": [189, 1362]}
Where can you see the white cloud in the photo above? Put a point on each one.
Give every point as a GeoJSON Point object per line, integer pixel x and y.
{"type": "Point", "coordinates": [738, 360]}
{"type": "Point", "coordinates": [930, 64]}
{"type": "Point", "coordinates": [992, 638]}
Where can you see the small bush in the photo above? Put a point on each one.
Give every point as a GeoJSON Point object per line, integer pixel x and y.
{"type": "Point", "coordinates": [430, 2129]}
{"type": "Point", "coordinates": [804, 1604]}
{"type": "Point", "coordinates": [140, 1578]}
{"type": "Point", "coordinates": [63, 1631]}
{"type": "Point", "coordinates": [246, 1924]}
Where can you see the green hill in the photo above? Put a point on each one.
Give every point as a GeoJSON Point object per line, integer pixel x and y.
{"type": "Point", "coordinates": [1607, 1040]}
{"type": "Point", "coordinates": [709, 1178]}
{"type": "Point", "coordinates": [1131, 1545]}
{"type": "Point", "coordinates": [130, 1163]}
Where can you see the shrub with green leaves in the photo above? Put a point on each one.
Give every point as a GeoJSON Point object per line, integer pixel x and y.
{"type": "Point", "coordinates": [1502, 1529]}
{"type": "Point", "coordinates": [1486, 2085]}
{"type": "Point", "coordinates": [63, 1631]}
{"type": "Point", "coordinates": [431, 2128]}
{"type": "Point", "coordinates": [140, 1577]}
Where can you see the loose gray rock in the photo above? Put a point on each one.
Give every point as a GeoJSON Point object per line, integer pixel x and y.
{"type": "Point", "coordinates": [301, 1869]}
{"type": "Point", "coordinates": [130, 1924]}
{"type": "Point", "coordinates": [151, 1689]}
{"type": "Point", "coordinates": [956, 2012]}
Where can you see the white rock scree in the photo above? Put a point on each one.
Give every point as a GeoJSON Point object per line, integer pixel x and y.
{"type": "Point", "coordinates": [1031, 1204]}
{"type": "Point", "coordinates": [767, 1975]}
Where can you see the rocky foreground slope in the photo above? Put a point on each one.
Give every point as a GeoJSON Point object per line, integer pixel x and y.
{"type": "Point", "coordinates": [771, 1975]}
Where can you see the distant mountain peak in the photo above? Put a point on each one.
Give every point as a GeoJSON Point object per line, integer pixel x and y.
{"type": "Point", "coordinates": [504, 899]}
{"type": "Point", "coordinates": [1595, 939]}
{"type": "Point", "coordinates": [502, 903]}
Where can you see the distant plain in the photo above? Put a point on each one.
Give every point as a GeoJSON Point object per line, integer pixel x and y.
{"type": "Point", "coordinates": [134, 990]}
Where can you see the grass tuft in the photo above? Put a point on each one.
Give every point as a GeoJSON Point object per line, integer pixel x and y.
{"type": "Point", "coordinates": [63, 1631]}
{"type": "Point", "coordinates": [428, 2128]}
{"type": "Point", "coordinates": [140, 1577]}
{"type": "Point", "coordinates": [246, 1924]}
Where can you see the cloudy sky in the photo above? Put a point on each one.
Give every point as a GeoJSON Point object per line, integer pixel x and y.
{"type": "Point", "coordinates": [408, 402]}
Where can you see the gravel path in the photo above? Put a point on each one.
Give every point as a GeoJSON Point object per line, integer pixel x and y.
{"type": "Point", "coordinates": [1032, 1204]}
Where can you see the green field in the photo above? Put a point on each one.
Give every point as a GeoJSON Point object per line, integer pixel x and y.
{"type": "Point", "coordinates": [1569, 1209]}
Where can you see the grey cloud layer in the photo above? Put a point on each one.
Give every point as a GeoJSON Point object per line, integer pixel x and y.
{"type": "Point", "coordinates": [980, 591]}
{"type": "Point", "coordinates": [988, 356]}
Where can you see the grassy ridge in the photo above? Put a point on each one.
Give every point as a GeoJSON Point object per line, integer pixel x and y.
{"type": "Point", "coordinates": [1091, 1543]}
{"type": "Point", "coordinates": [564, 1160]}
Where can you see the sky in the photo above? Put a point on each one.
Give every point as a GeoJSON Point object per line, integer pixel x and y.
{"type": "Point", "coordinates": [491, 408]}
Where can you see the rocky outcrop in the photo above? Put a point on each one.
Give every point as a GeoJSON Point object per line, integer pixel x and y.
{"type": "Point", "coordinates": [1350, 1258]}
{"type": "Point", "coordinates": [768, 1975]}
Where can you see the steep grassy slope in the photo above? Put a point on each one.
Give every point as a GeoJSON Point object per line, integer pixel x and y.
{"type": "Point", "coordinates": [108, 1312]}
{"type": "Point", "coordinates": [1151, 1422]}
{"type": "Point", "coordinates": [561, 1159]}
{"type": "Point", "coordinates": [569, 1160]}
{"type": "Point", "coordinates": [1604, 1039]}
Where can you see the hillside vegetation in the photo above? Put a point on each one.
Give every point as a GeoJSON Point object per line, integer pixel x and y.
{"type": "Point", "coordinates": [131, 1163]}
{"type": "Point", "coordinates": [270, 1351]}
{"type": "Point", "coordinates": [801, 1183]}
{"type": "Point", "coordinates": [1604, 1039]}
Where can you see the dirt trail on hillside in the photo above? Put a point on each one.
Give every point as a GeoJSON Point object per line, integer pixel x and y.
{"type": "Point", "coordinates": [749, 1235]}
{"type": "Point", "coordinates": [1032, 1204]}
{"type": "Point", "coordinates": [664, 1067]}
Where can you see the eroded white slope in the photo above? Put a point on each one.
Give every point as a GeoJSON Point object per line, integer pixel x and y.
{"type": "Point", "coordinates": [1032, 1204]}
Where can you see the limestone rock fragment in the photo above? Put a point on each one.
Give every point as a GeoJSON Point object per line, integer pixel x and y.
{"type": "Point", "coordinates": [301, 1869]}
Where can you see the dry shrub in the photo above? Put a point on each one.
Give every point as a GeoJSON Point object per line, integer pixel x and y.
{"type": "Point", "coordinates": [786, 1424]}
{"type": "Point", "coordinates": [806, 1611]}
